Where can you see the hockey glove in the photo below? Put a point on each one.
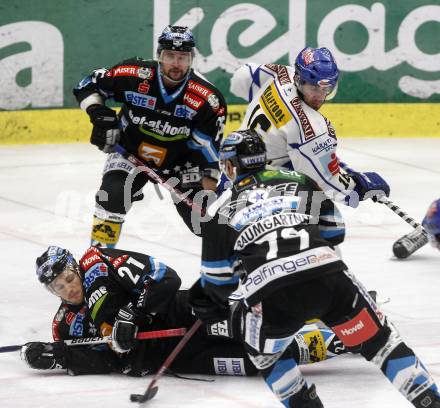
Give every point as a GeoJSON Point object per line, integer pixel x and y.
{"type": "Point", "coordinates": [369, 184]}
{"type": "Point", "coordinates": [125, 329]}
{"type": "Point", "coordinates": [206, 308]}
{"type": "Point", "coordinates": [44, 356]}
{"type": "Point", "coordinates": [105, 133]}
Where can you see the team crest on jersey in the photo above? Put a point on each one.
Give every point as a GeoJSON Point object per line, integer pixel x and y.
{"type": "Point", "coordinates": [131, 70]}
{"type": "Point", "coordinates": [214, 102]}
{"type": "Point", "coordinates": [145, 73]}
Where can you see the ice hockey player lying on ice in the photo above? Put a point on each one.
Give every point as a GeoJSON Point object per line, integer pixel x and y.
{"type": "Point", "coordinates": [120, 292]}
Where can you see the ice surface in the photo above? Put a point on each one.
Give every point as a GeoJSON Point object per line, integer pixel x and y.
{"type": "Point", "coordinates": [46, 197]}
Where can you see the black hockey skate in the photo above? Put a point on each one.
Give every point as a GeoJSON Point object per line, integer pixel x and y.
{"type": "Point", "coordinates": [427, 399]}
{"type": "Point", "coordinates": [410, 243]}
{"type": "Point", "coordinates": [309, 398]}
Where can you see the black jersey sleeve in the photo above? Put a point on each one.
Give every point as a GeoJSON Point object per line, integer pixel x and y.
{"type": "Point", "coordinates": [106, 83]}
{"type": "Point", "coordinates": [113, 278]}
{"type": "Point", "coordinates": [209, 121]}
{"type": "Point", "coordinates": [219, 262]}
{"type": "Point", "coordinates": [331, 224]}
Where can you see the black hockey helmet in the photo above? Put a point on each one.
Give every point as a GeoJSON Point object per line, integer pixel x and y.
{"type": "Point", "coordinates": [176, 38]}
{"type": "Point", "coordinates": [245, 149]}
{"type": "Point", "coordinates": [52, 263]}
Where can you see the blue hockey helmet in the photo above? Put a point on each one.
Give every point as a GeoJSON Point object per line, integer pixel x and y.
{"type": "Point", "coordinates": [317, 67]}
{"type": "Point", "coordinates": [52, 263]}
{"type": "Point", "coordinates": [431, 222]}
{"type": "Point", "coordinates": [246, 150]}
{"type": "Point", "coordinates": [176, 38]}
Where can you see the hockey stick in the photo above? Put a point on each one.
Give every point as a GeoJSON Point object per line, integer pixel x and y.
{"type": "Point", "coordinates": [402, 214]}
{"type": "Point", "coordinates": [151, 391]}
{"type": "Point", "coordinates": [409, 243]}
{"type": "Point", "coordinates": [153, 175]}
{"type": "Point", "coordinates": [155, 334]}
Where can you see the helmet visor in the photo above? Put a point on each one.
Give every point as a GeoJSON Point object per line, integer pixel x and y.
{"type": "Point", "coordinates": [321, 89]}
{"type": "Point", "coordinates": [68, 286]}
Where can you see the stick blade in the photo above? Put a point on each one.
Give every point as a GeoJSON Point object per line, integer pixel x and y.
{"type": "Point", "coordinates": [141, 398]}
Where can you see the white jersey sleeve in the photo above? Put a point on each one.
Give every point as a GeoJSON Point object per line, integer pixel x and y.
{"type": "Point", "coordinates": [249, 79]}
{"type": "Point", "coordinates": [297, 137]}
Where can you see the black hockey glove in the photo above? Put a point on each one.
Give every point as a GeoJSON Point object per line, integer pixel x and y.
{"type": "Point", "coordinates": [206, 308]}
{"type": "Point", "coordinates": [106, 132]}
{"type": "Point", "coordinates": [44, 356]}
{"type": "Point", "coordinates": [125, 329]}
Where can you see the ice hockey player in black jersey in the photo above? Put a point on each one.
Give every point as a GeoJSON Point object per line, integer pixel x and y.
{"type": "Point", "coordinates": [275, 232]}
{"type": "Point", "coordinates": [171, 117]}
{"type": "Point", "coordinates": [132, 291]}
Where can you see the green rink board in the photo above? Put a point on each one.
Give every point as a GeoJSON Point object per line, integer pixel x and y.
{"type": "Point", "coordinates": [349, 120]}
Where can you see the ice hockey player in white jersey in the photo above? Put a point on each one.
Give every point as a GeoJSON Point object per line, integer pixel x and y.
{"type": "Point", "coordinates": [284, 105]}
